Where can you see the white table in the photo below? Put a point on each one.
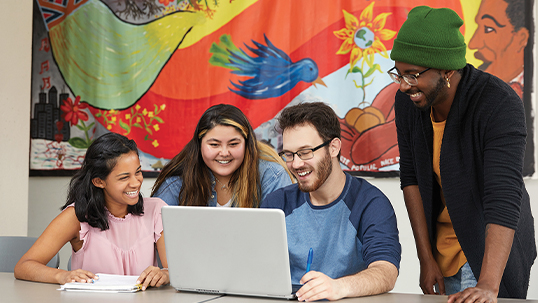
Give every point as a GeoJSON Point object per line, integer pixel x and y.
{"type": "Point", "coordinates": [383, 298]}
{"type": "Point", "coordinates": [13, 290]}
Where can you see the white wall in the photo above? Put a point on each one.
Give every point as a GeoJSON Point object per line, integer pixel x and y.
{"type": "Point", "coordinates": [29, 204]}
{"type": "Point", "coordinates": [15, 66]}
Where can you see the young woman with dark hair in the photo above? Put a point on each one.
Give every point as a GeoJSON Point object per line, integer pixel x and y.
{"type": "Point", "coordinates": [111, 228]}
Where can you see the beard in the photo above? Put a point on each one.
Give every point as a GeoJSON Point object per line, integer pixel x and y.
{"type": "Point", "coordinates": [432, 95]}
{"type": "Point", "coordinates": [322, 172]}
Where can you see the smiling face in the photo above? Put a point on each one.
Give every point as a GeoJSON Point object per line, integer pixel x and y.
{"type": "Point", "coordinates": [429, 91]}
{"type": "Point", "coordinates": [499, 47]}
{"type": "Point", "coordinates": [122, 186]}
{"type": "Point", "coordinates": [311, 174]}
{"type": "Point", "coordinates": [223, 151]}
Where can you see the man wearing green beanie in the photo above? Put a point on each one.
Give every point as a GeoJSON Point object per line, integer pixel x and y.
{"type": "Point", "coordinates": [461, 134]}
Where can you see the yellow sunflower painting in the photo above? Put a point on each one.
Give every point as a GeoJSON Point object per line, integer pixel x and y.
{"type": "Point", "coordinates": [362, 37]}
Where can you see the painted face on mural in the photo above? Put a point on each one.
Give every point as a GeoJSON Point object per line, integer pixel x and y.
{"type": "Point", "coordinates": [498, 45]}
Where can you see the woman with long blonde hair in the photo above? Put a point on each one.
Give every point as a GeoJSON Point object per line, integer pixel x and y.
{"type": "Point", "coordinates": [222, 165]}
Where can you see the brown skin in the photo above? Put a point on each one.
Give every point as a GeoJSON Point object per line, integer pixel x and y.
{"type": "Point", "coordinates": [64, 228]}
{"type": "Point", "coordinates": [497, 44]}
{"type": "Point", "coordinates": [125, 177]}
{"type": "Point", "coordinates": [498, 244]}
{"type": "Point", "coordinates": [426, 83]}
{"type": "Point", "coordinates": [430, 274]}
{"type": "Point", "coordinates": [498, 238]}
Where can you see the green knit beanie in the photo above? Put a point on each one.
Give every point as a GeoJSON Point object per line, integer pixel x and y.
{"type": "Point", "coordinates": [430, 37]}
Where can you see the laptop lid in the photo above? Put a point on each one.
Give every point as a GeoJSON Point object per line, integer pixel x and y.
{"type": "Point", "coordinates": [242, 251]}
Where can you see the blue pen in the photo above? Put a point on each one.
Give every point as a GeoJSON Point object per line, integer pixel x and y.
{"type": "Point", "coordinates": [309, 261]}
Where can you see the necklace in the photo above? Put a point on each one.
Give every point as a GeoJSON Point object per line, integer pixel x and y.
{"type": "Point", "coordinates": [223, 187]}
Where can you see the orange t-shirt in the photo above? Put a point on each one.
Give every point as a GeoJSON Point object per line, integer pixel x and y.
{"type": "Point", "coordinates": [448, 252]}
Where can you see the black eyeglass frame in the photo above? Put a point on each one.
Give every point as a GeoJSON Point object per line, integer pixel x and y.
{"type": "Point", "coordinates": [281, 154]}
{"type": "Point", "coordinates": [396, 77]}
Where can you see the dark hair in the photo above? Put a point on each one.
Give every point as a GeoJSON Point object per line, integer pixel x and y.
{"type": "Point", "coordinates": [318, 114]}
{"type": "Point", "coordinates": [515, 11]}
{"type": "Point", "coordinates": [101, 158]}
{"type": "Point", "coordinates": [190, 166]}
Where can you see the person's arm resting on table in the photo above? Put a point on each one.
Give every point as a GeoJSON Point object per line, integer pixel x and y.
{"type": "Point", "coordinates": [379, 277]}
{"type": "Point", "coordinates": [381, 250]}
{"type": "Point", "coordinates": [32, 266]}
{"type": "Point", "coordinates": [154, 276]}
{"type": "Point", "coordinates": [498, 244]}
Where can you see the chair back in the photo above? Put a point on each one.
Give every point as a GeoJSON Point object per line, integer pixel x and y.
{"type": "Point", "coordinates": [12, 249]}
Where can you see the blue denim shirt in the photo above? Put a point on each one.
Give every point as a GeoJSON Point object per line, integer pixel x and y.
{"type": "Point", "coordinates": [272, 177]}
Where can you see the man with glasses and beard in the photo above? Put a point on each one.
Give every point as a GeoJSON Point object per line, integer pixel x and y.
{"type": "Point", "coordinates": [461, 135]}
{"type": "Point", "coordinates": [348, 223]}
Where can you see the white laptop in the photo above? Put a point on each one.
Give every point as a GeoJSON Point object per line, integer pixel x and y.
{"type": "Point", "coordinates": [235, 251]}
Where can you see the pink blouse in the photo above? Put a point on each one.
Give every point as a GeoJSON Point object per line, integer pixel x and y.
{"type": "Point", "coordinates": [126, 248]}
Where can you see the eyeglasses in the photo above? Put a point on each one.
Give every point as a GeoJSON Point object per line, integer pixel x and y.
{"type": "Point", "coordinates": [410, 79]}
{"type": "Point", "coordinates": [303, 154]}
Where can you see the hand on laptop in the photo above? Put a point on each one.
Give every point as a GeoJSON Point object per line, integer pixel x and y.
{"type": "Point", "coordinates": [153, 276]}
{"type": "Point", "coordinates": [318, 286]}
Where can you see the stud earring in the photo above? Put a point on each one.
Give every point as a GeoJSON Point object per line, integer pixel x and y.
{"type": "Point", "coordinates": [448, 82]}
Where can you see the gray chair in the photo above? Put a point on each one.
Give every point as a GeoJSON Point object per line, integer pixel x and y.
{"type": "Point", "coordinates": [12, 249]}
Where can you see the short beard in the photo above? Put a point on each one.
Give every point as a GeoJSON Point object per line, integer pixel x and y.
{"type": "Point", "coordinates": [432, 96]}
{"type": "Point", "coordinates": [323, 172]}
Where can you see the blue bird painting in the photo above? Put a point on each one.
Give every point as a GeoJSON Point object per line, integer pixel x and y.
{"type": "Point", "coordinates": [271, 71]}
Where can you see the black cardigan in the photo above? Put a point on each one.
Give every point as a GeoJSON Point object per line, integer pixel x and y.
{"type": "Point", "coordinates": [481, 167]}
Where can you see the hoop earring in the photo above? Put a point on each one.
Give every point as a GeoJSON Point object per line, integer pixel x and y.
{"type": "Point", "coordinates": [448, 82]}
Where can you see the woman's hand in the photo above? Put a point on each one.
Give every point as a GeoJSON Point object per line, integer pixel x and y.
{"type": "Point", "coordinates": [33, 264]}
{"type": "Point", "coordinates": [153, 276]}
{"type": "Point", "coordinates": [78, 275]}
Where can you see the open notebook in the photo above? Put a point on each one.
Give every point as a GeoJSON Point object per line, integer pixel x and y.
{"type": "Point", "coordinates": [227, 250]}
{"type": "Point", "coordinates": [106, 283]}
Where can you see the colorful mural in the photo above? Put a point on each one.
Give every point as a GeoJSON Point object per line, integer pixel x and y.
{"type": "Point", "coordinates": [148, 69]}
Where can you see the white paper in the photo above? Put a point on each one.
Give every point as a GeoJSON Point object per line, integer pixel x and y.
{"type": "Point", "coordinates": [107, 283]}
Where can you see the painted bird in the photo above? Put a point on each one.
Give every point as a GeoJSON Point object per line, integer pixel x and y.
{"type": "Point", "coordinates": [272, 72]}
{"type": "Point", "coordinates": [111, 63]}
